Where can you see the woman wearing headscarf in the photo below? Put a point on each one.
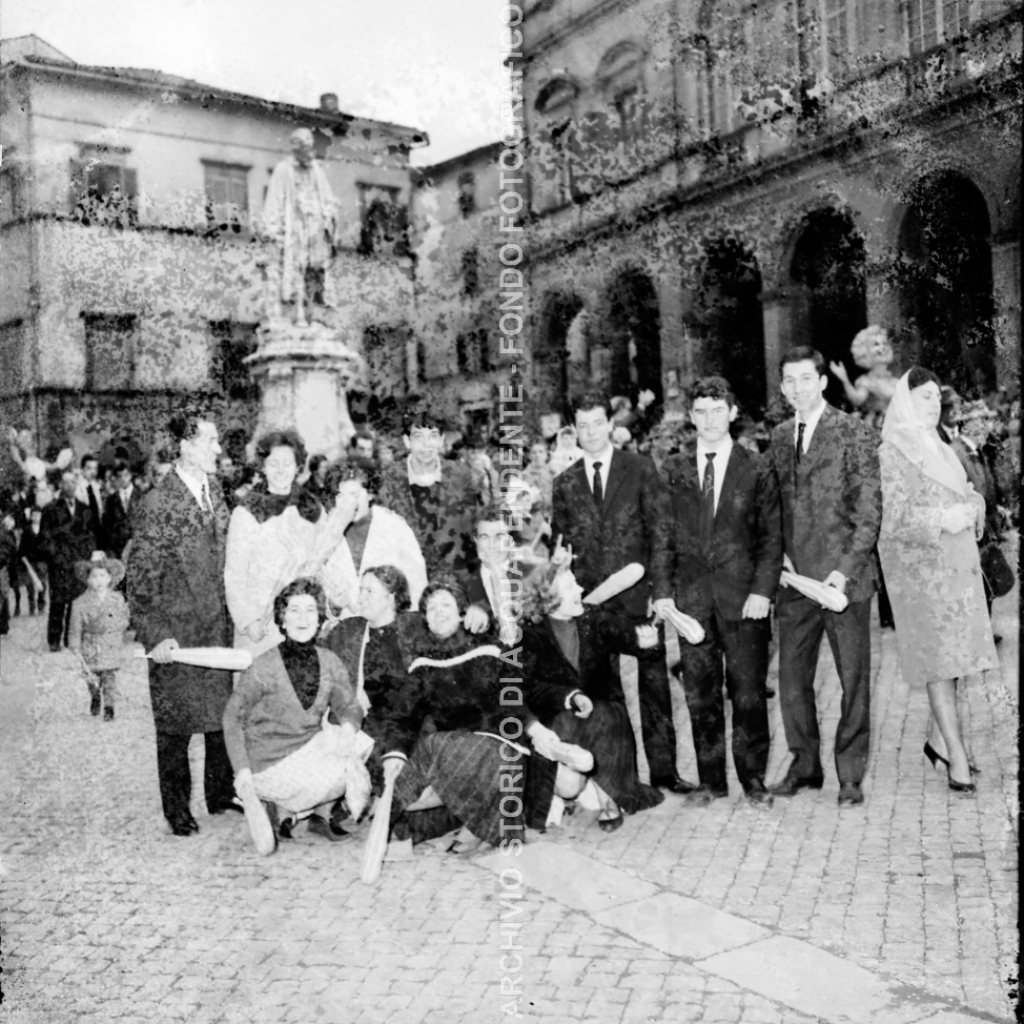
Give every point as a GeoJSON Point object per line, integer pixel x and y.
{"type": "Point", "coordinates": [931, 519]}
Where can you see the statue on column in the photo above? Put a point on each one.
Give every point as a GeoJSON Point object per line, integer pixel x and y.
{"type": "Point", "coordinates": [300, 215]}
{"type": "Point", "coordinates": [871, 392]}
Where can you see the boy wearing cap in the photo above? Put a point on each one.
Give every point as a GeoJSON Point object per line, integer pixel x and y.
{"type": "Point", "coordinates": [99, 618]}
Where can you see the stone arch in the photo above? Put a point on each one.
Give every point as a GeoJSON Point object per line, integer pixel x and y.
{"type": "Point", "coordinates": [630, 343]}
{"type": "Point", "coordinates": [558, 309]}
{"type": "Point", "coordinates": [827, 271]}
{"type": "Point", "coordinates": [726, 316]}
{"type": "Point", "coordinates": [943, 275]}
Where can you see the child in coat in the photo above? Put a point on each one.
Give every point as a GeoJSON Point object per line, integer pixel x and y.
{"type": "Point", "coordinates": [99, 618]}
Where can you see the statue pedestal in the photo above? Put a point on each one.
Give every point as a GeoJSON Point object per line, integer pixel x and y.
{"type": "Point", "coordinates": [303, 373]}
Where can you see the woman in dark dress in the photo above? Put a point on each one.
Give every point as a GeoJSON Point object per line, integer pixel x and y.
{"type": "Point", "coordinates": [566, 683]}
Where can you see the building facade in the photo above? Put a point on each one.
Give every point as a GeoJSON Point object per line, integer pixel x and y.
{"type": "Point", "coordinates": [713, 182]}
{"type": "Point", "coordinates": [130, 254]}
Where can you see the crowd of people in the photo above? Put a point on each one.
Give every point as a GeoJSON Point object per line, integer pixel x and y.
{"type": "Point", "coordinates": [448, 627]}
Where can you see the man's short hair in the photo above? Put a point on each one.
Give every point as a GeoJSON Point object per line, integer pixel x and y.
{"type": "Point", "coordinates": [492, 513]}
{"type": "Point", "coordinates": [800, 353]}
{"type": "Point", "coordinates": [184, 426]}
{"type": "Point", "coordinates": [360, 435]}
{"type": "Point", "coordinates": [592, 400]}
{"type": "Point", "coordinates": [423, 419]}
{"type": "Point", "coordinates": [87, 457]}
{"type": "Point", "coordinates": [119, 466]}
{"type": "Point", "coordinates": [717, 388]}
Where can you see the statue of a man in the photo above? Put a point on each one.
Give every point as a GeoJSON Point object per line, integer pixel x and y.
{"type": "Point", "coordinates": [301, 216]}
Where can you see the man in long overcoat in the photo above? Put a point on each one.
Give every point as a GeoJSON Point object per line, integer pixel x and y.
{"type": "Point", "coordinates": [176, 595]}
{"type": "Point", "coordinates": [67, 534]}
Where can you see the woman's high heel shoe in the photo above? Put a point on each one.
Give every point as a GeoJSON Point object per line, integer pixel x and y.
{"type": "Point", "coordinates": [960, 787]}
{"type": "Point", "coordinates": [933, 755]}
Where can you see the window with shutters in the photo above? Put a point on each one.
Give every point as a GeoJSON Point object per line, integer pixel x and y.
{"type": "Point", "coordinates": [12, 356]}
{"type": "Point", "coordinates": [384, 222]}
{"type": "Point", "coordinates": [103, 189]}
{"type": "Point", "coordinates": [472, 352]}
{"type": "Point", "coordinates": [930, 22]}
{"type": "Point", "coordinates": [471, 271]}
{"type": "Point", "coordinates": [232, 342]}
{"type": "Point", "coordinates": [556, 103]}
{"type": "Point", "coordinates": [384, 350]}
{"type": "Point", "coordinates": [110, 344]}
{"type": "Point", "coordinates": [227, 196]}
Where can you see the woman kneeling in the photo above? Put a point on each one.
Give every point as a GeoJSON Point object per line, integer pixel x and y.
{"type": "Point", "coordinates": [282, 747]}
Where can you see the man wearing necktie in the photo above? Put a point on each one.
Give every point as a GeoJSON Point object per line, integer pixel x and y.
{"type": "Point", "coordinates": [120, 508]}
{"type": "Point", "coordinates": [720, 564]}
{"type": "Point", "coordinates": [609, 507]}
{"type": "Point", "coordinates": [176, 596]}
{"type": "Point", "coordinates": [826, 463]}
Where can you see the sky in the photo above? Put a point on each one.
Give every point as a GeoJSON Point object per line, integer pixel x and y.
{"type": "Point", "coordinates": [429, 64]}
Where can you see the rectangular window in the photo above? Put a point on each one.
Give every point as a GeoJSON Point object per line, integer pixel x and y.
{"type": "Point", "coordinates": [471, 271]}
{"type": "Point", "coordinates": [384, 221]}
{"type": "Point", "coordinates": [103, 189]}
{"type": "Point", "coordinates": [10, 199]}
{"type": "Point", "coordinates": [467, 193]}
{"type": "Point", "coordinates": [384, 349]}
{"type": "Point", "coordinates": [12, 355]}
{"type": "Point", "coordinates": [472, 352]}
{"type": "Point", "coordinates": [232, 342]}
{"type": "Point", "coordinates": [110, 344]}
{"type": "Point", "coordinates": [837, 41]}
{"type": "Point", "coordinates": [227, 196]}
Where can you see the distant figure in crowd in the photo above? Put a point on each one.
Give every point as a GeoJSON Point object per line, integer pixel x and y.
{"type": "Point", "coordinates": [176, 593]}
{"type": "Point", "coordinates": [826, 463]}
{"type": "Point", "coordinates": [69, 535]}
{"type": "Point", "coordinates": [99, 618]}
{"type": "Point", "coordinates": [120, 508]}
{"type": "Point", "coordinates": [932, 518]}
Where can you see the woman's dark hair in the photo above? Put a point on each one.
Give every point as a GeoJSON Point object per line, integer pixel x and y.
{"type": "Point", "coordinates": [355, 467]}
{"type": "Point", "coordinates": [281, 439]}
{"type": "Point", "coordinates": [423, 418]}
{"type": "Point", "coordinates": [394, 582]}
{"type": "Point", "coordinates": [919, 375]}
{"type": "Point", "coordinates": [303, 585]}
{"type": "Point", "coordinates": [315, 462]}
{"type": "Point", "coordinates": [444, 582]}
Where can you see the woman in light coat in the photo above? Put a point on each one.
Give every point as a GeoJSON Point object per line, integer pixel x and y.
{"type": "Point", "coordinates": [272, 539]}
{"type": "Point", "coordinates": [373, 536]}
{"type": "Point", "coordinates": [931, 519]}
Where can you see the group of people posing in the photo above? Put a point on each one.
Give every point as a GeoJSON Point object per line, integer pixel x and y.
{"type": "Point", "coordinates": [412, 633]}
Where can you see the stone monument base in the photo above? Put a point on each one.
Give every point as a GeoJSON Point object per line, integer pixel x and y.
{"type": "Point", "coordinates": [303, 372]}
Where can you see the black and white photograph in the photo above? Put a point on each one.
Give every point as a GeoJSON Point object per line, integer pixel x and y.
{"type": "Point", "coordinates": [510, 511]}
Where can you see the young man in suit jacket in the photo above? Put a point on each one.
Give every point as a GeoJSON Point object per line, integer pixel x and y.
{"type": "Point", "coordinates": [826, 463]}
{"type": "Point", "coordinates": [609, 507]}
{"type": "Point", "coordinates": [720, 564]}
{"type": "Point", "coordinates": [176, 596]}
{"type": "Point", "coordinates": [120, 508]}
{"type": "Point", "coordinates": [68, 534]}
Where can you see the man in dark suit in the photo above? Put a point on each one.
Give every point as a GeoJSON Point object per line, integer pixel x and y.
{"type": "Point", "coordinates": [120, 508]}
{"type": "Point", "coordinates": [826, 463]}
{"type": "Point", "coordinates": [176, 595]}
{"type": "Point", "coordinates": [90, 490]}
{"type": "Point", "coordinates": [721, 564]}
{"type": "Point", "coordinates": [67, 535]}
{"type": "Point", "coordinates": [609, 507]}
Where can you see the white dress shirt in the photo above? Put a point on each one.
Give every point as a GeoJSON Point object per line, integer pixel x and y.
{"type": "Point", "coordinates": [198, 486]}
{"type": "Point", "coordinates": [423, 479]}
{"type": "Point", "coordinates": [722, 454]}
{"type": "Point", "coordinates": [605, 458]}
{"type": "Point", "coordinates": [812, 422]}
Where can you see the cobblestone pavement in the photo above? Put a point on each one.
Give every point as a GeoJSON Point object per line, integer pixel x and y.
{"type": "Point", "coordinates": [903, 910]}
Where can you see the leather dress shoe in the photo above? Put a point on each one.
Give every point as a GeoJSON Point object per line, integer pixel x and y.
{"type": "Point", "coordinates": [792, 784]}
{"type": "Point", "coordinates": [704, 795]}
{"type": "Point", "coordinates": [674, 784]}
{"type": "Point", "coordinates": [757, 793]}
{"type": "Point", "coordinates": [184, 827]}
{"type": "Point", "coordinates": [327, 829]}
{"type": "Point", "coordinates": [610, 824]}
{"type": "Point", "coordinates": [231, 805]}
{"type": "Point", "coordinates": [850, 793]}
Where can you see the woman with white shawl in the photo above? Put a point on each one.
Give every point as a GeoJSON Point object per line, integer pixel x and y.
{"type": "Point", "coordinates": [931, 519]}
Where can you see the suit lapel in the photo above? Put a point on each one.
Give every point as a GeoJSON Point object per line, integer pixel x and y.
{"type": "Point", "coordinates": [819, 439]}
{"type": "Point", "coordinates": [733, 471]}
{"type": "Point", "coordinates": [582, 485]}
{"type": "Point", "coordinates": [616, 474]}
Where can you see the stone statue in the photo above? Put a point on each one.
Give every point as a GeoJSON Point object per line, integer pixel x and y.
{"type": "Point", "coordinates": [871, 392]}
{"type": "Point", "coordinates": [301, 216]}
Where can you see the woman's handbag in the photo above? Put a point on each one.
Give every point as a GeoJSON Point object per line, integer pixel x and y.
{"type": "Point", "coordinates": [997, 570]}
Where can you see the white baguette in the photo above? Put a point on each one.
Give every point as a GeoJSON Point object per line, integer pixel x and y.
{"type": "Point", "coordinates": [828, 597]}
{"type": "Point", "coordinates": [688, 628]}
{"type": "Point", "coordinates": [228, 658]}
{"type": "Point", "coordinates": [619, 581]}
{"type": "Point", "coordinates": [377, 840]}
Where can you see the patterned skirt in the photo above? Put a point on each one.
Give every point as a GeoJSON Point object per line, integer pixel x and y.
{"type": "Point", "coordinates": [465, 770]}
